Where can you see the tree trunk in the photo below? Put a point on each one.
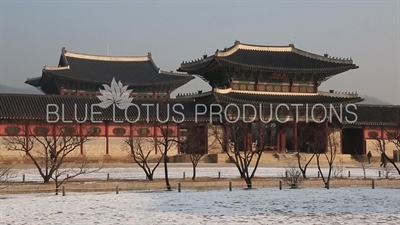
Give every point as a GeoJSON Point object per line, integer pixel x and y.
{"type": "Point", "coordinates": [248, 182]}
{"type": "Point", "coordinates": [303, 172]}
{"type": "Point", "coordinates": [166, 173]}
{"type": "Point", "coordinates": [46, 179]}
{"type": "Point", "coordinates": [149, 176]}
{"type": "Point", "coordinates": [194, 172]}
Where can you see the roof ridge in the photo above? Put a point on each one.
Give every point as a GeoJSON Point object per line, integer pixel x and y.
{"type": "Point", "coordinates": [229, 90]}
{"type": "Point", "coordinates": [377, 105]}
{"type": "Point", "coordinates": [197, 61]}
{"type": "Point", "coordinates": [339, 94]}
{"type": "Point", "coordinates": [193, 94]}
{"type": "Point", "coordinates": [105, 57]}
{"type": "Point", "coordinates": [183, 74]}
{"type": "Point", "coordinates": [284, 48]}
{"type": "Point", "coordinates": [237, 45]}
{"type": "Point", "coordinates": [32, 78]}
{"type": "Point", "coordinates": [55, 67]}
{"type": "Point", "coordinates": [325, 57]}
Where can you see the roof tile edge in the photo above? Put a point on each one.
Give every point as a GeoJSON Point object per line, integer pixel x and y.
{"type": "Point", "coordinates": [106, 57]}
{"type": "Point", "coordinates": [56, 67]}
{"type": "Point", "coordinates": [239, 45]}
{"type": "Point", "coordinates": [229, 90]}
{"type": "Point", "coordinates": [322, 58]}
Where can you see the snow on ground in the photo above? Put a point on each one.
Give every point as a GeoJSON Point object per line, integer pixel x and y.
{"type": "Point", "coordinates": [257, 206]}
{"type": "Point", "coordinates": [176, 171]}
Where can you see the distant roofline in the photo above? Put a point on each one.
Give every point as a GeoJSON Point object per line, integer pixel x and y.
{"type": "Point", "coordinates": [377, 105]}
{"type": "Point", "coordinates": [289, 48]}
{"type": "Point", "coordinates": [319, 93]}
{"type": "Point", "coordinates": [56, 67]}
{"type": "Point", "coordinates": [182, 74]}
{"type": "Point", "coordinates": [106, 57]}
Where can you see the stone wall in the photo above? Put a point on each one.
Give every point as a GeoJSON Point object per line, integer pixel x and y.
{"type": "Point", "coordinates": [214, 146]}
{"type": "Point", "coordinates": [95, 147]}
{"type": "Point", "coordinates": [335, 141]}
{"type": "Point", "coordinates": [5, 152]}
{"type": "Point", "coordinates": [372, 145]}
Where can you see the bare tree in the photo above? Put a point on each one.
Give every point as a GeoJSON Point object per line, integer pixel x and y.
{"type": "Point", "coordinates": [140, 154]}
{"type": "Point", "coordinates": [68, 171]}
{"type": "Point", "coordinates": [304, 138]}
{"type": "Point", "coordinates": [47, 146]}
{"type": "Point", "coordinates": [195, 145]}
{"type": "Point", "coordinates": [392, 135]}
{"type": "Point", "coordinates": [243, 153]}
{"type": "Point", "coordinates": [326, 139]}
{"type": "Point", "coordinates": [164, 144]}
{"type": "Point", "coordinates": [338, 169]}
{"type": "Point", "coordinates": [6, 173]}
{"type": "Point", "coordinates": [293, 175]}
{"type": "Point", "coordinates": [359, 159]}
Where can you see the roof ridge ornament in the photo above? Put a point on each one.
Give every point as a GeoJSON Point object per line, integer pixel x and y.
{"type": "Point", "coordinates": [107, 57]}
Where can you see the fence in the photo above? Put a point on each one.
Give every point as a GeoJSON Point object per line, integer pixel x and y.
{"type": "Point", "coordinates": [179, 185]}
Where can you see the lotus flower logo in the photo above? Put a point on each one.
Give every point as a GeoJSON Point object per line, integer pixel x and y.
{"type": "Point", "coordinates": [116, 95]}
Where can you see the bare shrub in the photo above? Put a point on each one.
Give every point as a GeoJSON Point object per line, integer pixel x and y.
{"type": "Point", "coordinates": [293, 176]}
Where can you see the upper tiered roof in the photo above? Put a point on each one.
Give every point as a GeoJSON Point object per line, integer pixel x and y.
{"type": "Point", "coordinates": [228, 96]}
{"type": "Point", "coordinates": [96, 69]}
{"type": "Point", "coordinates": [279, 59]}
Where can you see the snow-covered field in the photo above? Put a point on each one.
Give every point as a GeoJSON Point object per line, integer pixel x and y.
{"type": "Point", "coordinates": [134, 172]}
{"type": "Point", "coordinates": [257, 206]}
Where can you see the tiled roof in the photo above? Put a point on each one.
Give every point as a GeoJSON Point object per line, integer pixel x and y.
{"type": "Point", "coordinates": [286, 59]}
{"type": "Point", "coordinates": [374, 115]}
{"type": "Point", "coordinates": [253, 97]}
{"type": "Point", "coordinates": [102, 69]}
{"type": "Point", "coordinates": [34, 107]}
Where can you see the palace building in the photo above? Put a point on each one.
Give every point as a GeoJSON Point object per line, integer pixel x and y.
{"type": "Point", "coordinates": [279, 79]}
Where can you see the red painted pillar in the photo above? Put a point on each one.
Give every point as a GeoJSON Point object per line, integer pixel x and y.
{"type": "Point", "coordinates": [107, 147]}
{"type": "Point", "coordinates": [249, 141]}
{"type": "Point", "coordinates": [55, 137]}
{"type": "Point", "coordinates": [283, 141]}
{"type": "Point", "coordinates": [81, 137]}
{"type": "Point", "coordinates": [278, 138]}
{"type": "Point", "coordinates": [328, 133]}
{"type": "Point", "coordinates": [382, 138]}
{"type": "Point", "coordinates": [155, 139]}
{"type": "Point", "coordinates": [364, 141]}
{"type": "Point", "coordinates": [260, 139]}
{"type": "Point", "coordinates": [26, 136]}
{"type": "Point", "coordinates": [226, 137]}
{"type": "Point", "coordinates": [178, 136]}
{"type": "Point", "coordinates": [295, 144]}
{"type": "Point", "coordinates": [131, 136]}
{"type": "Point", "coordinates": [205, 136]}
{"type": "Point", "coordinates": [341, 140]}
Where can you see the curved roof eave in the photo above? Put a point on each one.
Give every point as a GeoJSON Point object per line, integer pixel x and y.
{"type": "Point", "coordinates": [183, 80]}
{"type": "Point", "coordinates": [288, 70]}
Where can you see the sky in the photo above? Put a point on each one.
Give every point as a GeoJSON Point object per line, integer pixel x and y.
{"type": "Point", "coordinates": [32, 34]}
